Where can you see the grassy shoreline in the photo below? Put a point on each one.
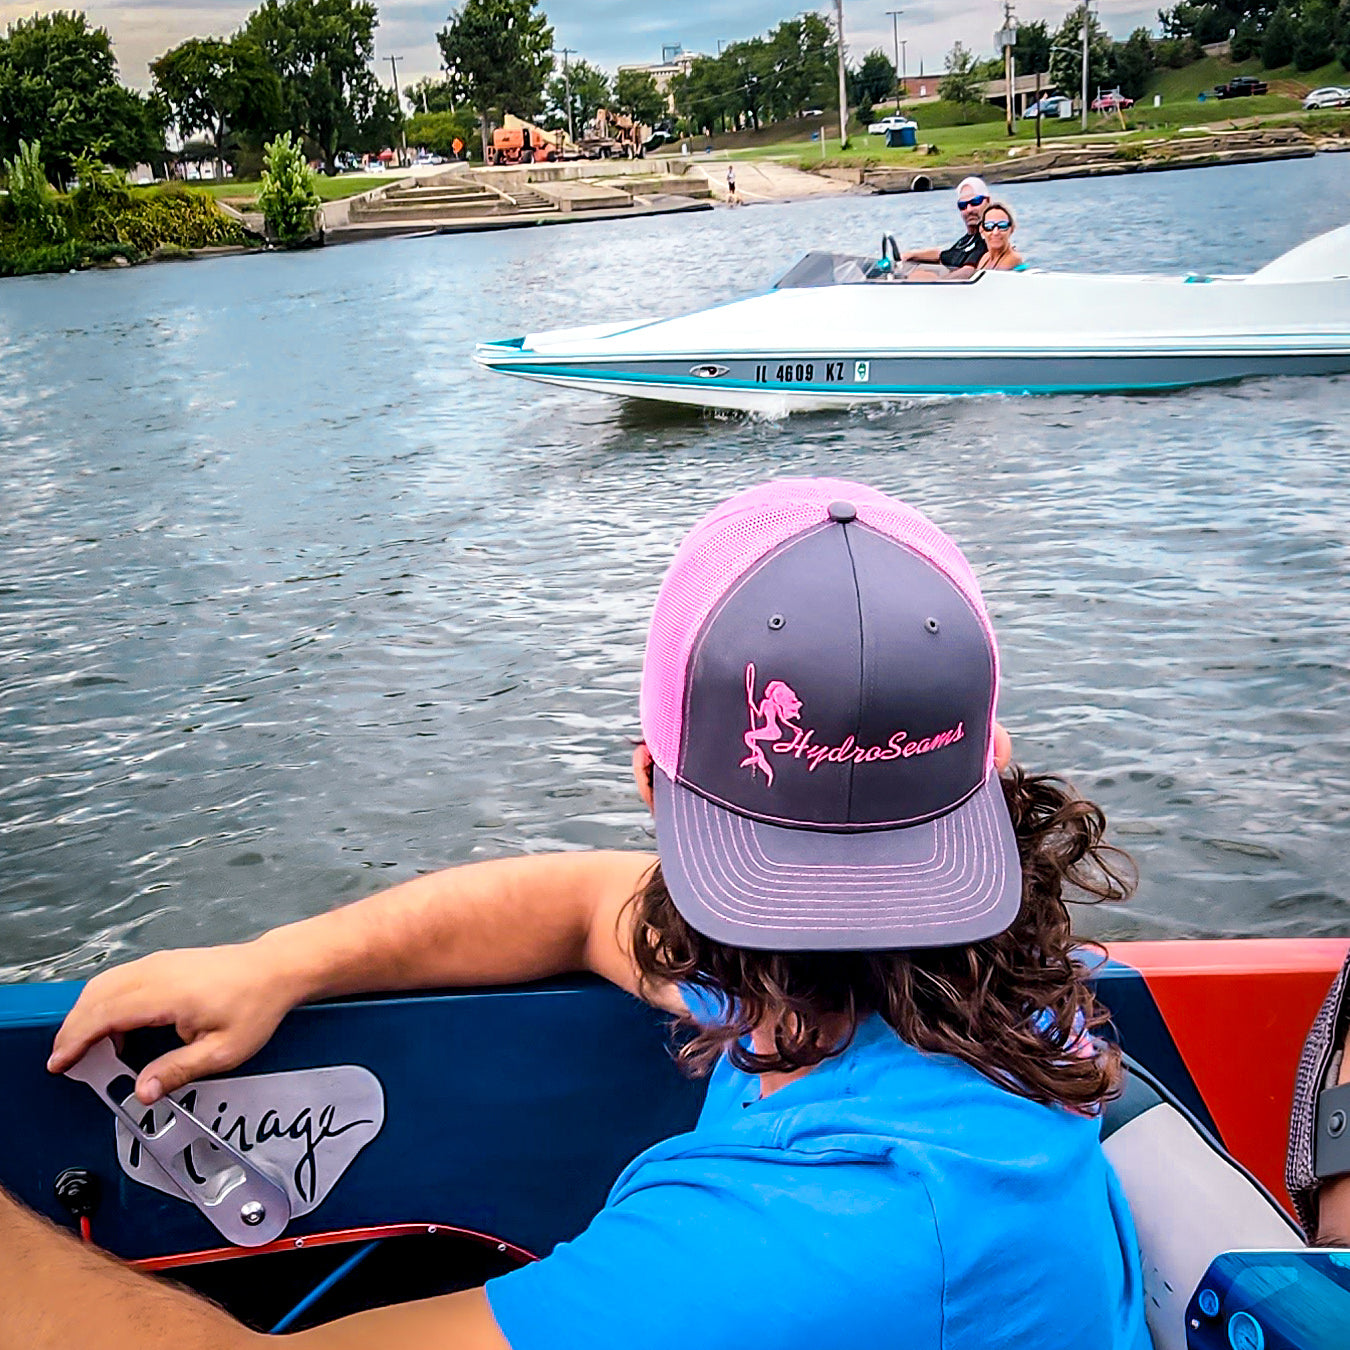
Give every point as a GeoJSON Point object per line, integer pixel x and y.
{"type": "Point", "coordinates": [977, 136]}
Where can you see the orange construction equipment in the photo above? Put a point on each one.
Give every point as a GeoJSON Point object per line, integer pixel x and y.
{"type": "Point", "coordinates": [521, 145]}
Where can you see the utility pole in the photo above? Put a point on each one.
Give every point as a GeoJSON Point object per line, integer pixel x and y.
{"type": "Point", "coordinates": [904, 79]}
{"type": "Point", "coordinates": [1087, 16]}
{"type": "Point", "coordinates": [843, 86]}
{"type": "Point", "coordinates": [567, 91]}
{"type": "Point", "coordinates": [895, 32]}
{"type": "Point", "coordinates": [398, 101]}
{"type": "Point", "coordinates": [1007, 36]}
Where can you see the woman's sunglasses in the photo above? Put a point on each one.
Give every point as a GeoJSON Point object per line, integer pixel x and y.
{"type": "Point", "coordinates": [996, 224]}
{"type": "Point", "coordinates": [963, 203]}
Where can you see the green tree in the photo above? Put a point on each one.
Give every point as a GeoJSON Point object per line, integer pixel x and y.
{"type": "Point", "coordinates": [701, 94]}
{"type": "Point", "coordinates": [1343, 34]}
{"type": "Point", "coordinates": [321, 52]}
{"type": "Point", "coordinates": [875, 79]}
{"type": "Point", "coordinates": [801, 74]}
{"type": "Point", "coordinates": [1066, 70]}
{"type": "Point", "coordinates": [498, 53]}
{"type": "Point", "coordinates": [438, 132]}
{"type": "Point", "coordinates": [287, 197]}
{"type": "Point", "coordinates": [1315, 40]}
{"type": "Point", "coordinates": [218, 87]}
{"type": "Point", "coordinates": [1246, 40]}
{"type": "Point", "coordinates": [431, 96]}
{"type": "Point", "coordinates": [1277, 47]}
{"type": "Point", "coordinates": [636, 95]}
{"type": "Point", "coordinates": [1032, 51]}
{"type": "Point", "coordinates": [58, 85]}
{"type": "Point", "coordinates": [588, 88]}
{"type": "Point", "coordinates": [960, 84]}
{"type": "Point", "coordinates": [1132, 63]}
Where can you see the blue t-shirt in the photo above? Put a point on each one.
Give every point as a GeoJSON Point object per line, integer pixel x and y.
{"type": "Point", "coordinates": [886, 1198]}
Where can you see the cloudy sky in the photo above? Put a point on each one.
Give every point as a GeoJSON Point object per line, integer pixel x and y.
{"type": "Point", "coordinates": [606, 32]}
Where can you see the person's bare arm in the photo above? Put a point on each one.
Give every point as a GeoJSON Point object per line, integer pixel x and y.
{"type": "Point", "coordinates": [483, 923]}
{"type": "Point", "coordinates": [60, 1294]}
{"type": "Point", "coordinates": [926, 255]}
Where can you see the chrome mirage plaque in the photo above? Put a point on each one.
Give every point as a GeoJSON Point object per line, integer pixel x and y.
{"type": "Point", "coordinates": [303, 1128]}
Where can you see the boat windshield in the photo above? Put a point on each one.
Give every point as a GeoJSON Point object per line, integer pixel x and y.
{"type": "Point", "coordinates": [847, 269]}
{"type": "Point", "coordinates": [824, 269]}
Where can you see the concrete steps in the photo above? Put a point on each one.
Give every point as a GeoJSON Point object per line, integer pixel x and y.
{"type": "Point", "coordinates": [447, 201]}
{"type": "Point", "coordinates": [528, 200]}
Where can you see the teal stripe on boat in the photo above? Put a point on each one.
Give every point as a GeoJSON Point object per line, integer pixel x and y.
{"type": "Point", "coordinates": [573, 373]}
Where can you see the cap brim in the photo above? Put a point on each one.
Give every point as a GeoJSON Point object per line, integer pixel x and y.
{"type": "Point", "coordinates": [949, 881]}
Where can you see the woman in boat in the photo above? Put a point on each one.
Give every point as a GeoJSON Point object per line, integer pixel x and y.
{"type": "Point", "coordinates": [857, 917]}
{"type": "Point", "coordinates": [996, 227]}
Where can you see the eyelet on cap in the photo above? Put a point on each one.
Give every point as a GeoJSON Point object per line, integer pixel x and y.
{"type": "Point", "coordinates": [842, 512]}
{"type": "Point", "coordinates": [776, 621]}
{"type": "Point", "coordinates": [931, 625]}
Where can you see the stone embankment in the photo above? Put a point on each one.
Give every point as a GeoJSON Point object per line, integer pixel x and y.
{"type": "Point", "coordinates": [459, 198]}
{"type": "Point", "coordinates": [1067, 159]}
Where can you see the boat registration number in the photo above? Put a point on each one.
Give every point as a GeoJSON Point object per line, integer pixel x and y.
{"type": "Point", "coordinates": [800, 372]}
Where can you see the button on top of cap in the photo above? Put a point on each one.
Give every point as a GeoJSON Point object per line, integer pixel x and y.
{"type": "Point", "coordinates": [843, 512]}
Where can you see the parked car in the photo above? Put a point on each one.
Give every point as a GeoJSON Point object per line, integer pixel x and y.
{"type": "Point", "coordinates": [1110, 102]}
{"type": "Point", "coordinates": [1241, 86]}
{"type": "Point", "coordinates": [1050, 106]}
{"type": "Point", "coordinates": [895, 122]}
{"type": "Point", "coordinates": [1329, 96]}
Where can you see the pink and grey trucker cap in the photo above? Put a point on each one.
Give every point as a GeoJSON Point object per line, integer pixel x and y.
{"type": "Point", "coordinates": [818, 696]}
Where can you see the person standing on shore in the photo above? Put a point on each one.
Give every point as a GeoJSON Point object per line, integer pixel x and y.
{"type": "Point", "coordinates": [733, 196]}
{"type": "Point", "coordinates": [972, 196]}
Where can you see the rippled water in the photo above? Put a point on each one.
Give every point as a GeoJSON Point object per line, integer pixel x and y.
{"type": "Point", "coordinates": [296, 602]}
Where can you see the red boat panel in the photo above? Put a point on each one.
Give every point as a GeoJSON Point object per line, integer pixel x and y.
{"type": "Point", "coordinates": [1239, 1011]}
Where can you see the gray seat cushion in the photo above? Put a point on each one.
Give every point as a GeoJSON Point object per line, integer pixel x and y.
{"type": "Point", "coordinates": [1189, 1198]}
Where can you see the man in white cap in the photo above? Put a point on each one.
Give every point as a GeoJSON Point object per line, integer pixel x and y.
{"type": "Point", "coordinates": [972, 196]}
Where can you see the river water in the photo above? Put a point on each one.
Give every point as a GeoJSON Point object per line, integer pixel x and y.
{"type": "Point", "coordinates": [295, 602]}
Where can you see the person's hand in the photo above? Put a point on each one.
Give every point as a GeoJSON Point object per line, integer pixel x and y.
{"type": "Point", "coordinates": [224, 1002]}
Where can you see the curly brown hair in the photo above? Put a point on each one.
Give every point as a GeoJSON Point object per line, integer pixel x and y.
{"type": "Point", "coordinates": [1018, 1006]}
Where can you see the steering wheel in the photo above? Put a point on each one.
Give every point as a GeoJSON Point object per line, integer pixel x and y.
{"type": "Point", "coordinates": [889, 248]}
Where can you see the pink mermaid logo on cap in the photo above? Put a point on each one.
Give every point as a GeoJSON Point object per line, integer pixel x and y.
{"type": "Point", "coordinates": [779, 708]}
{"type": "Point", "coordinates": [773, 726]}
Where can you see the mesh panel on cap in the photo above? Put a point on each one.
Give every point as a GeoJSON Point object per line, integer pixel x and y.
{"type": "Point", "coordinates": [723, 546]}
{"type": "Point", "coordinates": [712, 558]}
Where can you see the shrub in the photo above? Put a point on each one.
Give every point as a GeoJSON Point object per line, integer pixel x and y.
{"type": "Point", "coordinates": [101, 198]}
{"type": "Point", "coordinates": [23, 260]}
{"type": "Point", "coordinates": [106, 219]}
{"type": "Point", "coordinates": [35, 206]}
{"type": "Point", "coordinates": [287, 197]}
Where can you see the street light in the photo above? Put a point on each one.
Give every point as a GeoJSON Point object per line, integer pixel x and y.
{"type": "Point", "coordinates": [895, 31]}
{"type": "Point", "coordinates": [1068, 51]}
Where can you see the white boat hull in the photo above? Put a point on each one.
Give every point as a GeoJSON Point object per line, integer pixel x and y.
{"type": "Point", "coordinates": [844, 345]}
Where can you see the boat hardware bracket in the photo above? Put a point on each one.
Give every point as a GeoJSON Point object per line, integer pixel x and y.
{"type": "Point", "coordinates": [1331, 1143]}
{"type": "Point", "coordinates": [245, 1205]}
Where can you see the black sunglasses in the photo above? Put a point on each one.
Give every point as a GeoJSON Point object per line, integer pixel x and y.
{"type": "Point", "coordinates": [963, 203]}
{"type": "Point", "coordinates": [996, 224]}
